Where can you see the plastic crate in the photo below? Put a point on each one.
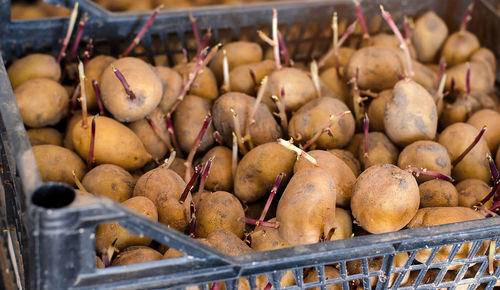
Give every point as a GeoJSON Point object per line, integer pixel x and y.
{"type": "Point", "coordinates": [55, 230]}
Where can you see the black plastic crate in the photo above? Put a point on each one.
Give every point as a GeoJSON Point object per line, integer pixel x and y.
{"type": "Point", "coordinates": [53, 231]}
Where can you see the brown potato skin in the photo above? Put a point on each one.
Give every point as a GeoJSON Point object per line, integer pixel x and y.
{"type": "Point", "coordinates": [342, 225]}
{"type": "Point", "coordinates": [315, 116]}
{"type": "Point", "coordinates": [432, 216]}
{"type": "Point", "coordinates": [41, 102]}
{"type": "Point", "coordinates": [376, 110]}
{"type": "Point", "coordinates": [93, 71]}
{"type": "Point", "coordinates": [344, 54]}
{"type": "Point", "coordinates": [143, 81]}
{"type": "Point", "coordinates": [410, 115]}
{"type": "Point", "coordinates": [424, 76]}
{"type": "Point", "coordinates": [241, 81]}
{"type": "Point", "coordinates": [114, 143]}
{"type": "Point", "coordinates": [56, 163]}
{"type": "Point", "coordinates": [426, 154]}
{"type": "Point", "coordinates": [336, 84]}
{"type": "Point", "coordinates": [349, 159]}
{"type": "Point", "coordinates": [459, 110]}
{"type": "Point", "coordinates": [343, 178]}
{"type": "Point", "coordinates": [456, 138]}
{"type": "Point", "coordinates": [228, 243]}
{"type": "Point", "coordinates": [204, 84]}
{"type": "Point", "coordinates": [155, 145]}
{"type": "Point", "coordinates": [459, 46]}
{"type": "Point", "coordinates": [135, 256]}
{"type": "Point", "coordinates": [472, 191]}
{"type": "Point", "coordinates": [107, 233]}
{"type": "Point", "coordinates": [487, 57]}
{"type": "Point", "coordinates": [297, 85]}
{"type": "Point", "coordinates": [428, 36]}
{"type": "Point", "coordinates": [164, 187]}
{"type": "Point", "coordinates": [218, 210]}
{"type": "Point", "coordinates": [220, 176]}
{"type": "Point", "coordinates": [259, 168]}
{"type": "Point", "coordinates": [379, 68]}
{"type": "Point", "coordinates": [43, 136]}
{"type": "Point", "coordinates": [437, 192]}
{"type": "Point", "coordinates": [172, 87]}
{"type": "Point", "coordinates": [32, 66]}
{"type": "Point", "coordinates": [68, 133]}
{"type": "Point", "coordinates": [380, 150]}
{"type": "Point", "coordinates": [385, 198]}
{"type": "Point", "coordinates": [264, 130]}
{"type": "Point", "coordinates": [110, 181]}
{"type": "Point", "coordinates": [330, 273]}
{"type": "Point", "coordinates": [188, 119]}
{"type": "Point", "coordinates": [482, 80]}
{"type": "Point", "coordinates": [312, 192]}
{"type": "Point", "coordinates": [375, 264]}
{"type": "Point", "coordinates": [266, 239]}
{"type": "Point", "coordinates": [238, 53]}
{"type": "Point", "coordinates": [491, 119]}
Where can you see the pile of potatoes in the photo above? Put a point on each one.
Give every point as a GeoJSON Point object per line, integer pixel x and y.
{"type": "Point", "coordinates": [346, 183]}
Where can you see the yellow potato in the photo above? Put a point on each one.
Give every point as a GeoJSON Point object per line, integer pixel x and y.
{"type": "Point", "coordinates": [32, 66]}
{"type": "Point", "coordinates": [44, 136]}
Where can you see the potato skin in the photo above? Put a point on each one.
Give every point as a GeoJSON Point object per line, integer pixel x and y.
{"type": "Point", "coordinates": [456, 138]}
{"type": "Point", "coordinates": [311, 191]}
{"type": "Point", "coordinates": [472, 191]}
{"type": "Point", "coordinates": [143, 81]}
{"type": "Point", "coordinates": [437, 192]}
{"type": "Point", "coordinates": [380, 150]}
{"type": "Point", "coordinates": [482, 79]}
{"type": "Point", "coordinates": [135, 256]}
{"type": "Point", "coordinates": [349, 159]}
{"type": "Point", "coordinates": [155, 145]}
{"type": "Point", "coordinates": [487, 57]}
{"type": "Point", "coordinates": [93, 71]}
{"type": "Point", "coordinates": [330, 273]}
{"type": "Point", "coordinates": [32, 66]}
{"type": "Point", "coordinates": [489, 118]}
{"type": "Point", "coordinates": [220, 176]}
{"type": "Point", "coordinates": [379, 68]}
{"type": "Point", "coordinates": [376, 110]}
{"type": "Point", "coordinates": [336, 84]}
{"type": "Point", "coordinates": [411, 114]}
{"type": "Point", "coordinates": [385, 198]}
{"type": "Point", "coordinates": [241, 80]}
{"type": "Point", "coordinates": [56, 163]}
{"type": "Point", "coordinates": [107, 233]}
{"type": "Point", "coordinates": [42, 102]}
{"type": "Point", "coordinates": [43, 136]}
{"type": "Point", "coordinates": [375, 264]}
{"type": "Point", "coordinates": [228, 243]}
{"type": "Point", "coordinates": [204, 84]}
{"type": "Point", "coordinates": [432, 216]}
{"type": "Point", "coordinates": [315, 116]}
{"type": "Point", "coordinates": [114, 143]}
{"type": "Point", "coordinates": [110, 181]}
{"type": "Point", "coordinates": [258, 169]}
{"type": "Point", "coordinates": [343, 179]}
{"type": "Point", "coordinates": [172, 87]}
{"type": "Point", "coordinates": [218, 210]}
{"type": "Point", "coordinates": [428, 36]}
{"type": "Point", "coordinates": [426, 154]}
{"type": "Point", "coordinates": [459, 46]}
{"type": "Point", "coordinates": [342, 224]}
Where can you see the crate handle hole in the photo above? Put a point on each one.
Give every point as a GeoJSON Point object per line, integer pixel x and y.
{"type": "Point", "coordinates": [53, 195]}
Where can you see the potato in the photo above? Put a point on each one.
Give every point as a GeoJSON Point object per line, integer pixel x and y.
{"type": "Point", "coordinates": [173, 253]}
{"type": "Point", "coordinates": [107, 233]}
{"type": "Point", "coordinates": [68, 133]}
{"type": "Point", "coordinates": [114, 143]}
{"type": "Point", "coordinates": [354, 144]}
{"type": "Point", "coordinates": [238, 53]}
{"type": "Point", "coordinates": [436, 193]}
{"type": "Point", "coordinates": [33, 66]}
{"type": "Point", "coordinates": [379, 68]}
{"type": "Point", "coordinates": [110, 181]}
{"type": "Point", "coordinates": [375, 264]}
{"type": "Point", "coordinates": [380, 150]}
{"type": "Point", "coordinates": [296, 84]}
{"type": "Point", "coordinates": [432, 216]}
{"type": "Point", "coordinates": [98, 263]}
{"type": "Point", "coordinates": [458, 111]}
{"type": "Point", "coordinates": [135, 256]}
{"type": "Point", "coordinates": [343, 178]}
{"type": "Point", "coordinates": [164, 187]}
{"type": "Point", "coordinates": [258, 169]}
{"type": "Point", "coordinates": [376, 110]}
{"type": "Point", "coordinates": [424, 76]}
{"type": "Point", "coordinates": [329, 273]}
{"type": "Point", "coordinates": [220, 176]}
{"type": "Point", "coordinates": [240, 79]}
{"type": "Point", "coordinates": [426, 154]}
{"type": "Point", "coordinates": [228, 243]}
{"type": "Point", "coordinates": [336, 84]}
{"type": "Point", "coordinates": [43, 136]}
{"type": "Point", "coordinates": [144, 83]}
{"type": "Point", "coordinates": [342, 225]}
{"type": "Point", "coordinates": [349, 159]}
{"type": "Point", "coordinates": [311, 192]}
{"type": "Point", "coordinates": [172, 87]}
{"type": "Point", "coordinates": [266, 239]}
{"type": "Point", "coordinates": [57, 163]}
{"type": "Point", "coordinates": [481, 78]}
{"type": "Point", "coordinates": [456, 138]}
{"type": "Point", "coordinates": [410, 115]}
{"type": "Point", "coordinates": [319, 114]}
{"type": "Point", "coordinates": [487, 57]}
{"type": "Point", "coordinates": [93, 71]}
{"type": "Point", "coordinates": [472, 191]}
{"type": "Point", "coordinates": [188, 119]}
{"type": "Point", "coordinates": [489, 118]}
{"type": "Point", "coordinates": [264, 130]}
{"type": "Point", "coordinates": [179, 167]}
{"type": "Point", "coordinates": [219, 210]}
{"type": "Point", "coordinates": [41, 102]}
{"type": "Point", "coordinates": [204, 84]}
{"type": "Point", "coordinates": [385, 40]}
{"type": "Point", "coordinates": [459, 46]}
{"type": "Point", "coordinates": [155, 141]}
{"type": "Point", "coordinates": [384, 198]}
{"type": "Point", "coordinates": [428, 36]}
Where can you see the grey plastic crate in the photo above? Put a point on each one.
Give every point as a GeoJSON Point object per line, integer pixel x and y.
{"type": "Point", "coordinates": [54, 230]}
